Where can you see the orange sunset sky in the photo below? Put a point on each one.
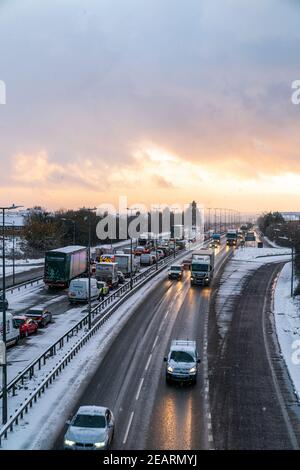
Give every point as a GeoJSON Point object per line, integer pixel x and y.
{"type": "Point", "coordinates": [160, 101]}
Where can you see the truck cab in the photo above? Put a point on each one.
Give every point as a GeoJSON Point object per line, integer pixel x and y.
{"type": "Point", "coordinates": [182, 362]}
{"type": "Point", "coordinates": [231, 238]}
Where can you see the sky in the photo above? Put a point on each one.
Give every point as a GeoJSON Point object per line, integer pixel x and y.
{"type": "Point", "coordinates": [162, 102]}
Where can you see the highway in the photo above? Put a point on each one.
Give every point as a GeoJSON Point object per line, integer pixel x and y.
{"type": "Point", "coordinates": [252, 402]}
{"type": "Point", "coordinates": [131, 378]}
{"type": "Point", "coordinates": [25, 276]}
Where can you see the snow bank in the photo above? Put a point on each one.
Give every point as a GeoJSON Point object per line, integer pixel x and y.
{"type": "Point", "coordinates": [287, 321]}
{"type": "Point", "coordinates": [238, 269]}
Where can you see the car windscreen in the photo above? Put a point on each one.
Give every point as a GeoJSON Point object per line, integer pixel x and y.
{"type": "Point", "coordinates": [175, 268]}
{"type": "Point", "coordinates": [182, 356]}
{"type": "Point", "coordinates": [18, 321]}
{"type": "Point", "coordinates": [89, 421]}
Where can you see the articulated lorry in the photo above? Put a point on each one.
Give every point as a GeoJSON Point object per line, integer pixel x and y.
{"type": "Point", "coordinates": [232, 237]}
{"type": "Point", "coordinates": [64, 264]}
{"type": "Point", "coordinates": [202, 267]}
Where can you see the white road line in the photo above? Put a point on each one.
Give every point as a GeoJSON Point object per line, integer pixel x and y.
{"type": "Point", "coordinates": [128, 427]}
{"type": "Point", "coordinates": [148, 362]}
{"type": "Point", "coordinates": [154, 344]}
{"type": "Point", "coordinates": [139, 389]}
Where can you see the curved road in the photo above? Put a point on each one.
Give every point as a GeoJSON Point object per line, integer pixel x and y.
{"type": "Point", "coordinates": [131, 378]}
{"type": "Point", "coordinates": [252, 401]}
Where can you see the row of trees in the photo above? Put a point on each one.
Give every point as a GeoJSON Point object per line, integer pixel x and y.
{"type": "Point", "coordinates": [283, 233]}
{"type": "Point", "coordinates": [44, 230]}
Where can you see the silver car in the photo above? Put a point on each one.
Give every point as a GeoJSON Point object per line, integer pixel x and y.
{"type": "Point", "coordinates": [92, 428]}
{"type": "Point", "coordinates": [182, 362]}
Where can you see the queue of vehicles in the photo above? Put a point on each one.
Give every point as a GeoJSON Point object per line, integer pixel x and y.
{"type": "Point", "coordinates": [19, 326]}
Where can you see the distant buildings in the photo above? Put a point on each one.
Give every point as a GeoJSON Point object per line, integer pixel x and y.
{"type": "Point", "coordinates": [291, 216]}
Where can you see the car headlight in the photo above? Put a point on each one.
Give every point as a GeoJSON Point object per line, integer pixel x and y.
{"type": "Point", "coordinates": [193, 370]}
{"type": "Point", "coordinates": [99, 445]}
{"type": "Point", "coordinates": [192, 278]}
{"type": "Point", "coordinates": [170, 369]}
{"type": "Point", "coordinates": [69, 443]}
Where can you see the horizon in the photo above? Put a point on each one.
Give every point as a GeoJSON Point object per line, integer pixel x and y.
{"type": "Point", "coordinates": [172, 102]}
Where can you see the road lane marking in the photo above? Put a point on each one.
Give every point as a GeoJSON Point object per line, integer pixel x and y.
{"type": "Point", "coordinates": [148, 362]}
{"type": "Point", "coordinates": [154, 344]}
{"type": "Point", "coordinates": [128, 427]}
{"type": "Point", "coordinates": [139, 389]}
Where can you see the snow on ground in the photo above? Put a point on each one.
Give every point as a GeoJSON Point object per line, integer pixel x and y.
{"type": "Point", "coordinates": [238, 269]}
{"type": "Point", "coordinates": [19, 267]}
{"type": "Point", "coordinates": [39, 428]}
{"type": "Point", "coordinates": [274, 244]}
{"type": "Point", "coordinates": [287, 321]}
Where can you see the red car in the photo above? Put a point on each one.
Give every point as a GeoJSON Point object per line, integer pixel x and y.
{"type": "Point", "coordinates": [27, 326]}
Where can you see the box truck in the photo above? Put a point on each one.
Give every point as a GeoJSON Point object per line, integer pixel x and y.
{"type": "Point", "coordinates": [107, 272]}
{"type": "Point", "coordinates": [124, 264]}
{"type": "Point", "coordinates": [202, 267]}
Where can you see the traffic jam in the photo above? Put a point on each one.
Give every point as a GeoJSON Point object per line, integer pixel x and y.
{"type": "Point", "coordinates": [66, 273]}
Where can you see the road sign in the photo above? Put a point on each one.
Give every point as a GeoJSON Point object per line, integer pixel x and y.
{"type": "Point", "coordinates": [2, 353]}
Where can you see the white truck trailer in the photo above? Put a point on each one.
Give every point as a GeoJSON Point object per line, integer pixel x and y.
{"type": "Point", "coordinates": [124, 264]}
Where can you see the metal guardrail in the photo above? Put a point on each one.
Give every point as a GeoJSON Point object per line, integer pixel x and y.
{"type": "Point", "coordinates": [139, 281]}
{"type": "Point", "coordinates": [40, 361]}
{"type": "Point", "coordinates": [17, 287]}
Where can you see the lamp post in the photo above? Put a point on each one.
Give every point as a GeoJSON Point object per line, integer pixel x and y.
{"type": "Point", "coordinates": [156, 260]}
{"type": "Point", "coordinates": [13, 250]}
{"type": "Point", "coordinates": [4, 366]}
{"type": "Point", "coordinates": [89, 209]}
{"type": "Point", "coordinates": [131, 259]}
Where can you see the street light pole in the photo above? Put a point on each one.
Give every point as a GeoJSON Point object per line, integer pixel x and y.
{"type": "Point", "coordinates": [89, 266]}
{"type": "Point", "coordinates": [131, 247]}
{"type": "Point", "coordinates": [13, 250]}
{"type": "Point", "coordinates": [4, 366]}
{"type": "Point", "coordinates": [292, 277]}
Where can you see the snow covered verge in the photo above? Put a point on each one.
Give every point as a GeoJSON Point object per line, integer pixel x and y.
{"type": "Point", "coordinates": [238, 269]}
{"type": "Point", "coordinates": [287, 321]}
{"type": "Point", "coordinates": [40, 426]}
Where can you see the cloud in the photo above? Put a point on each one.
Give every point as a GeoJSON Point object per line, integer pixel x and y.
{"type": "Point", "coordinates": [161, 182]}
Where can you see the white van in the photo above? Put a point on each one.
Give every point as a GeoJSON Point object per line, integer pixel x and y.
{"type": "Point", "coordinates": [12, 333]}
{"type": "Point", "coordinates": [79, 288]}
